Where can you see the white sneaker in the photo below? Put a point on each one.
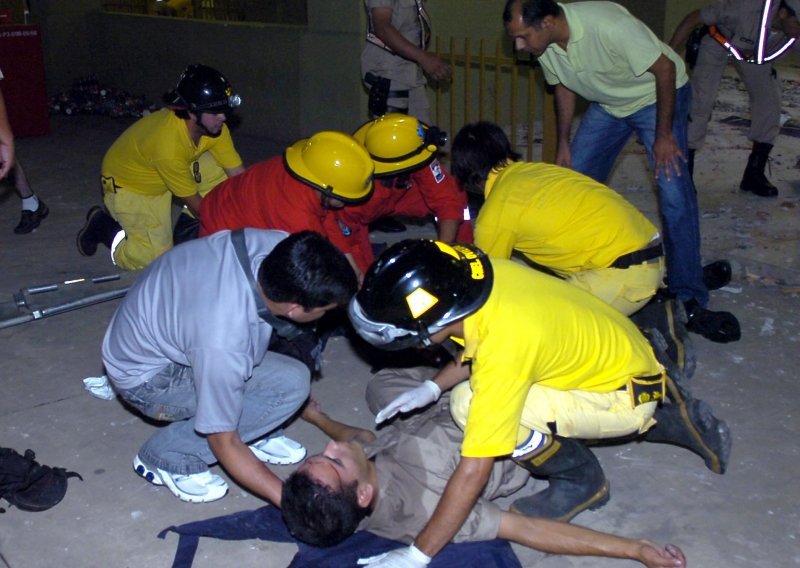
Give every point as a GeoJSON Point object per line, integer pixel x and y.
{"type": "Point", "coordinates": [278, 450]}
{"type": "Point", "coordinates": [195, 488]}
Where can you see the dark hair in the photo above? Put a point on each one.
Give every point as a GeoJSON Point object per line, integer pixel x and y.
{"type": "Point", "coordinates": [533, 11]}
{"type": "Point", "coordinates": [318, 516]}
{"type": "Point", "coordinates": [477, 149]}
{"type": "Point", "coordinates": [168, 98]}
{"type": "Point", "coordinates": [305, 268]}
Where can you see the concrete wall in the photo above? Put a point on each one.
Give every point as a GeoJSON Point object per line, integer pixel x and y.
{"type": "Point", "coordinates": [294, 80]}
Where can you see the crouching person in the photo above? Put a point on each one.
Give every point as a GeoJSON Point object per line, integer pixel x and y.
{"type": "Point", "coordinates": [544, 365]}
{"type": "Point", "coordinates": [188, 346]}
{"type": "Point", "coordinates": [391, 484]}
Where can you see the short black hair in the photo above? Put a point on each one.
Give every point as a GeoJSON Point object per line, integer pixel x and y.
{"type": "Point", "coordinates": [317, 515]}
{"type": "Point", "coordinates": [533, 11]}
{"type": "Point", "coordinates": [477, 149]}
{"type": "Point", "coordinates": [307, 269]}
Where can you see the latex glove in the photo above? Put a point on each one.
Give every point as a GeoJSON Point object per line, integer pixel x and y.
{"type": "Point", "coordinates": [420, 396]}
{"type": "Point", "coordinates": [411, 557]}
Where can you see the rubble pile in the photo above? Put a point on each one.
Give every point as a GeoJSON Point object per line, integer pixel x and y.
{"type": "Point", "coordinates": [89, 96]}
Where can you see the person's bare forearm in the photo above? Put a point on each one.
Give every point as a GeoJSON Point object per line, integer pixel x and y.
{"type": "Point", "coordinates": [7, 155]}
{"type": "Point", "coordinates": [435, 67]}
{"type": "Point", "coordinates": [565, 112]}
{"type": "Point", "coordinates": [448, 229]}
{"type": "Point", "coordinates": [460, 494]}
{"type": "Point", "coordinates": [193, 203]}
{"type": "Point", "coordinates": [451, 374]}
{"type": "Point", "coordinates": [244, 467]}
{"type": "Point", "coordinates": [556, 537]}
{"type": "Point", "coordinates": [389, 35]}
{"type": "Point", "coordinates": [684, 29]}
{"type": "Point", "coordinates": [334, 429]}
{"type": "Point", "coordinates": [664, 71]}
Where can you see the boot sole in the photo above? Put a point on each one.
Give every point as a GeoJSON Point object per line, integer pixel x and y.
{"type": "Point", "coordinates": [767, 195]}
{"type": "Point", "coordinates": [87, 251]}
{"type": "Point", "coordinates": [596, 501]}
{"type": "Point", "coordinates": [716, 461]}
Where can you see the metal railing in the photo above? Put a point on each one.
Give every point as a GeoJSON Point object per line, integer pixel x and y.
{"type": "Point", "coordinates": [489, 85]}
{"type": "Point", "coordinates": [275, 11]}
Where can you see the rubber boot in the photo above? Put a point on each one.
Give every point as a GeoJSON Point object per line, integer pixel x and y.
{"type": "Point", "coordinates": [692, 425]}
{"type": "Point", "coordinates": [100, 227]}
{"type": "Point", "coordinates": [754, 179]}
{"type": "Point", "coordinates": [717, 274]}
{"type": "Point", "coordinates": [719, 327]}
{"type": "Point", "coordinates": [667, 317]}
{"type": "Point", "coordinates": [576, 481]}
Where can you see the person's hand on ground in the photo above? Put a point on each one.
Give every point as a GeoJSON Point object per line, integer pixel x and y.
{"type": "Point", "coordinates": [653, 556]}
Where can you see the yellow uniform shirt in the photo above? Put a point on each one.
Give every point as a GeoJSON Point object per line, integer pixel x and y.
{"type": "Point", "coordinates": [558, 218]}
{"type": "Point", "coordinates": [155, 155]}
{"type": "Point", "coordinates": [538, 329]}
{"type": "Point", "coordinates": [607, 58]}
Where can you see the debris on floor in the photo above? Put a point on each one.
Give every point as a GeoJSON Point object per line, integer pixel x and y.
{"type": "Point", "coordinates": [89, 96]}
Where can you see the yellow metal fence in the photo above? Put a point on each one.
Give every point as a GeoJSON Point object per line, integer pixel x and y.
{"type": "Point", "coordinates": [489, 85]}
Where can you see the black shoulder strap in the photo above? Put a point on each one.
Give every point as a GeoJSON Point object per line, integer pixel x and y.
{"type": "Point", "coordinates": [282, 327]}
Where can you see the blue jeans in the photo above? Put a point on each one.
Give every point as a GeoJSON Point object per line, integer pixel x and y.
{"type": "Point", "coordinates": [595, 147]}
{"type": "Point", "coordinates": [277, 389]}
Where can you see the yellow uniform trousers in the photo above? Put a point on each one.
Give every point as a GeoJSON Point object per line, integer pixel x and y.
{"type": "Point", "coordinates": [577, 414]}
{"type": "Point", "coordinates": [626, 290]}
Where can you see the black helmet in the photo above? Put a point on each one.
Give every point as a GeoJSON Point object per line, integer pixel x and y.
{"type": "Point", "coordinates": [416, 288]}
{"type": "Point", "coordinates": [203, 89]}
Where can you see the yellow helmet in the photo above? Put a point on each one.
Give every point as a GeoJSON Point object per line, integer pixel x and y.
{"type": "Point", "coordinates": [333, 163]}
{"type": "Point", "coordinates": [399, 143]}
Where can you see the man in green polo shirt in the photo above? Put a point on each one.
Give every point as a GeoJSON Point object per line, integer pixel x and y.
{"type": "Point", "coordinates": [634, 83]}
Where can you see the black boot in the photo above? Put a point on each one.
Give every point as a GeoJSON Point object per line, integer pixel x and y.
{"type": "Point", "coordinates": [690, 161]}
{"type": "Point", "coordinates": [717, 274]}
{"type": "Point", "coordinates": [754, 179]}
{"type": "Point", "coordinates": [100, 227]}
{"type": "Point", "coordinates": [692, 425]}
{"type": "Point", "coordinates": [576, 481]}
{"type": "Point", "coordinates": [667, 317]}
{"type": "Point", "coordinates": [719, 327]}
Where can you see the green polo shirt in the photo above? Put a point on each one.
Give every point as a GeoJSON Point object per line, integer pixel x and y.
{"type": "Point", "coordinates": [607, 58]}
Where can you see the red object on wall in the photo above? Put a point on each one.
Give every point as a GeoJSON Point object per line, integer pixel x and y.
{"type": "Point", "coordinates": [23, 83]}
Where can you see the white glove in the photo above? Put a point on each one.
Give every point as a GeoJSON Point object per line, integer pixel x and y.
{"type": "Point", "coordinates": [420, 396]}
{"type": "Point", "coordinates": [411, 557]}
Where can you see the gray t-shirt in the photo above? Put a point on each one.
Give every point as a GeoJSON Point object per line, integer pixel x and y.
{"type": "Point", "coordinates": [195, 307]}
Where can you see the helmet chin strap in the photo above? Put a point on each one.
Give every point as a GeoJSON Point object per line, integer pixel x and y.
{"type": "Point", "coordinates": [424, 335]}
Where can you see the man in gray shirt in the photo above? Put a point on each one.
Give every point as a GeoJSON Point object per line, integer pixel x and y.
{"type": "Point", "coordinates": [189, 346]}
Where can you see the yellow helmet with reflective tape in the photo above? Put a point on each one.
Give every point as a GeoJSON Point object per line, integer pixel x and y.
{"type": "Point", "coordinates": [333, 163]}
{"type": "Point", "coordinates": [399, 143]}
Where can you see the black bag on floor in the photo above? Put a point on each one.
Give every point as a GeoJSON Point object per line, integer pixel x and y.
{"type": "Point", "coordinates": [27, 484]}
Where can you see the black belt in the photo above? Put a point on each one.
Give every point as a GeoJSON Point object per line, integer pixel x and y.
{"type": "Point", "coordinates": [398, 94]}
{"type": "Point", "coordinates": [639, 256]}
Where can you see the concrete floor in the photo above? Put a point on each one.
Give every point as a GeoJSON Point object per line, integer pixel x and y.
{"type": "Point", "coordinates": [747, 517]}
